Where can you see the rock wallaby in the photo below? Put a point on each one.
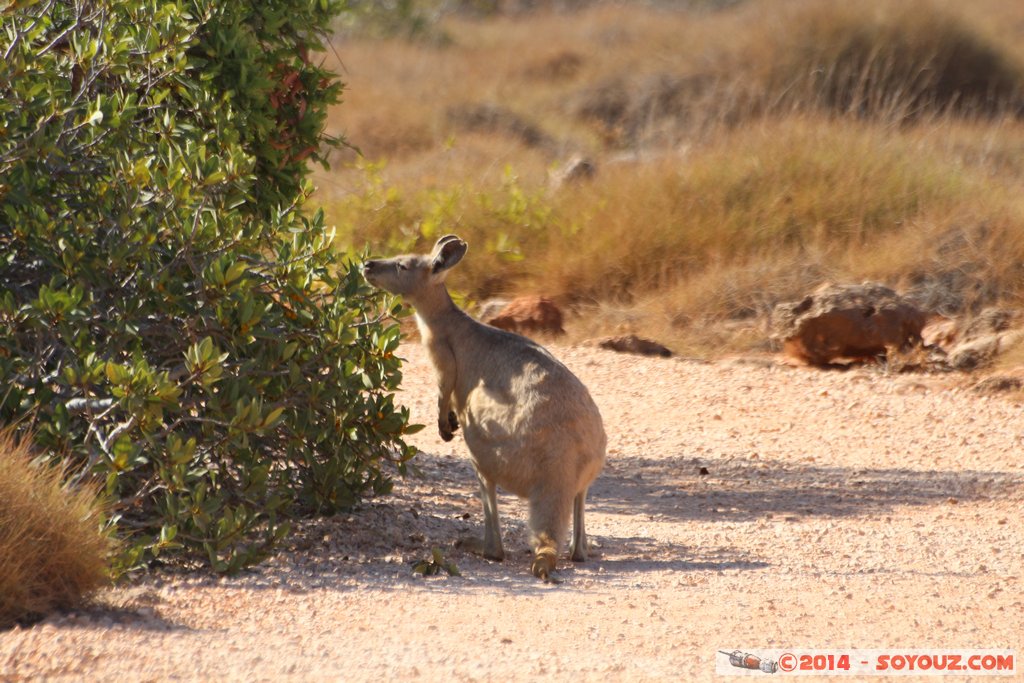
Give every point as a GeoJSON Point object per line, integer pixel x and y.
{"type": "Point", "coordinates": [530, 424]}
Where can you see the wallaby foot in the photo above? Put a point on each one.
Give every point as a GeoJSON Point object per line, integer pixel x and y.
{"type": "Point", "coordinates": [578, 547]}
{"type": "Point", "coordinates": [544, 561]}
{"type": "Point", "coordinates": [578, 553]}
{"type": "Point", "coordinates": [477, 546]}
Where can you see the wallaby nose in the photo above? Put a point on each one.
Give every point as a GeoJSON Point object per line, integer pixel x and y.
{"type": "Point", "coordinates": [369, 266]}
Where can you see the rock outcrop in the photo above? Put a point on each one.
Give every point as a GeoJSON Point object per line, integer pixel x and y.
{"type": "Point", "coordinates": [973, 342]}
{"type": "Point", "coordinates": [847, 322]}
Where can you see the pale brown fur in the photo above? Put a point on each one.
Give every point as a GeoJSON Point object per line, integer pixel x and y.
{"type": "Point", "coordinates": [530, 424]}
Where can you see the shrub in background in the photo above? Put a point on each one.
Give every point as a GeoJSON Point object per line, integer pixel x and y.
{"type": "Point", "coordinates": [171, 321]}
{"type": "Point", "coordinates": [901, 60]}
{"type": "Point", "coordinates": [53, 551]}
{"type": "Point", "coordinates": [408, 19]}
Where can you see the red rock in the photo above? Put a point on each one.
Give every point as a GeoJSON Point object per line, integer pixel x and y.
{"type": "Point", "coordinates": [529, 315]}
{"type": "Point", "coordinates": [847, 321]}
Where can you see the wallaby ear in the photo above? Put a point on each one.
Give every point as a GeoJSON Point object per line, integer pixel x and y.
{"type": "Point", "coordinates": [448, 251]}
{"type": "Point", "coordinates": [442, 241]}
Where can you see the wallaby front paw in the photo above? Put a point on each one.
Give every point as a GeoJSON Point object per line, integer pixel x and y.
{"type": "Point", "coordinates": [447, 427]}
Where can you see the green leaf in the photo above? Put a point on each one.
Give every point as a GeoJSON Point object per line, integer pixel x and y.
{"type": "Point", "coordinates": [117, 374]}
{"type": "Point", "coordinates": [272, 417]}
{"type": "Point", "coordinates": [235, 271]}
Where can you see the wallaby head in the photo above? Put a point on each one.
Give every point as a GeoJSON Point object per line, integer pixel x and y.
{"type": "Point", "coordinates": [417, 277]}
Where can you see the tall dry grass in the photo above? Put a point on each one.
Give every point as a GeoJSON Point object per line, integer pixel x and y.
{"type": "Point", "coordinates": [626, 74]}
{"type": "Point", "coordinates": [888, 59]}
{"type": "Point", "coordinates": [744, 156]}
{"type": "Point", "coordinates": [53, 552]}
{"type": "Point", "coordinates": [727, 230]}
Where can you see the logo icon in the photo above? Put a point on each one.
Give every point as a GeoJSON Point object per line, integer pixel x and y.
{"type": "Point", "coordinates": [743, 660]}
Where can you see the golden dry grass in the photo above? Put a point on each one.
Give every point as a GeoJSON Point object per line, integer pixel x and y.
{"type": "Point", "coordinates": [883, 58]}
{"type": "Point", "coordinates": [53, 552]}
{"type": "Point", "coordinates": [744, 156]}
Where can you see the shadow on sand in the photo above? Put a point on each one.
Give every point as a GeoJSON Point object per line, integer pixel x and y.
{"type": "Point", "coordinates": [376, 545]}
{"type": "Point", "coordinates": [742, 489]}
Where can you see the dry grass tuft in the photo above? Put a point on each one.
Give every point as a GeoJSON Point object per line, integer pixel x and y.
{"type": "Point", "coordinates": [52, 549]}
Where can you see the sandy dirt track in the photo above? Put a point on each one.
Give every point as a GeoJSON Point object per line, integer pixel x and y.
{"type": "Point", "coordinates": [838, 510]}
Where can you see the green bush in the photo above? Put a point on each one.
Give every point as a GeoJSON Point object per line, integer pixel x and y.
{"type": "Point", "coordinates": [53, 548]}
{"type": "Point", "coordinates": [171, 321]}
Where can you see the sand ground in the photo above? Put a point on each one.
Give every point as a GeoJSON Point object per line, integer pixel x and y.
{"type": "Point", "coordinates": [834, 510]}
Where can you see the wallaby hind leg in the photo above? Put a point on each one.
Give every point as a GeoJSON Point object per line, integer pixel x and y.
{"type": "Point", "coordinates": [578, 551]}
{"type": "Point", "coordinates": [490, 547]}
{"type": "Point", "coordinates": [549, 518]}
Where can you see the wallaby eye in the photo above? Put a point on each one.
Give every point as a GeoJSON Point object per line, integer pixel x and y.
{"type": "Point", "coordinates": [402, 266]}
